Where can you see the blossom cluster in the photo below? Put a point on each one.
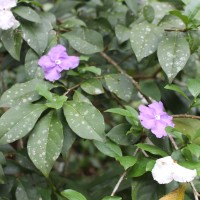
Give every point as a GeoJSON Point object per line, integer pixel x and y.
{"type": "Point", "coordinates": [7, 19]}
{"type": "Point", "coordinates": [56, 61]}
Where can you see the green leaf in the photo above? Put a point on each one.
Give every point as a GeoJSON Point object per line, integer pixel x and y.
{"type": "Point", "coordinates": [192, 8]}
{"type": "Point", "coordinates": [85, 120]}
{"type": "Point", "coordinates": [139, 168]}
{"type": "Point", "coordinates": [176, 89]}
{"type": "Point", "coordinates": [132, 4]}
{"type": "Point", "coordinates": [109, 149]}
{"type": "Point", "coordinates": [120, 85]}
{"type": "Point", "coordinates": [144, 39]}
{"type": "Point", "coordinates": [150, 88]}
{"type": "Point", "coordinates": [72, 195]}
{"type": "Point", "coordinates": [78, 97]}
{"type": "Point", "coordinates": [22, 93]}
{"type": "Point", "coordinates": [19, 121]}
{"type": "Point", "coordinates": [194, 149]}
{"type": "Point", "coordinates": [119, 111]}
{"type": "Point", "coordinates": [194, 86]}
{"type": "Point", "coordinates": [122, 33]}
{"type": "Point", "coordinates": [92, 69]}
{"type": "Point", "coordinates": [27, 13]}
{"type": "Point", "coordinates": [12, 41]}
{"type": "Point", "coordinates": [85, 41]}
{"type": "Point", "coordinates": [152, 149]}
{"type": "Point", "coordinates": [92, 86]}
{"type": "Point", "coordinates": [36, 35]}
{"type": "Point", "coordinates": [173, 53]}
{"type": "Point", "coordinates": [148, 13]}
{"type": "Point", "coordinates": [45, 142]}
{"type": "Point", "coordinates": [127, 161]}
{"type": "Point", "coordinates": [178, 13]}
{"type": "Point", "coordinates": [21, 193]}
{"type": "Point", "coordinates": [31, 65]}
{"type": "Point", "coordinates": [112, 198]}
{"type": "Point", "coordinates": [118, 134]}
{"type": "Point", "coordinates": [73, 22]}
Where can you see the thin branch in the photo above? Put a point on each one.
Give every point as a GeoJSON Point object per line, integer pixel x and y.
{"type": "Point", "coordinates": [118, 183]}
{"type": "Point", "coordinates": [196, 194]}
{"type": "Point", "coordinates": [173, 142]}
{"type": "Point", "coordinates": [119, 69]}
{"type": "Point", "coordinates": [72, 88]}
{"type": "Point", "coordinates": [186, 116]}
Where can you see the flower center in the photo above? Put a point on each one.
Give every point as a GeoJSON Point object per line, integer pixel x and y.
{"type": "Point", "coordinates": [157, 117]}
{"type": "Point", "coordinates": [58, 61]}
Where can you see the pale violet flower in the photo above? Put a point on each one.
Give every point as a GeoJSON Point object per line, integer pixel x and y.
{"type": "Point", "coordinates": [56, 61]}
{"type": "Point", "coordinates": [7, 19]}
{"type": "Point", "coordinates": [166, 170]}
{"type": "Point", "coordinates": [154, 118]}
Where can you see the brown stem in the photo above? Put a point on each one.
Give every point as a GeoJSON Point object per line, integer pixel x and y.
{"type": "Point", "coordinates": [72, 88]}
{"type": "Point", "coordinates": [186, 116]}
{"type": "Point", "coordinates": [119, 69]}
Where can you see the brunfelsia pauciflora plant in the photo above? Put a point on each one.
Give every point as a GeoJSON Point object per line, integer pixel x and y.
{"type": "Point", "coordinates": [82, 81]}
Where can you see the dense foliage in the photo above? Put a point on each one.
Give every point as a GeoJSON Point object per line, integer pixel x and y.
{"type": "Point", "coordinates": [77, 131]}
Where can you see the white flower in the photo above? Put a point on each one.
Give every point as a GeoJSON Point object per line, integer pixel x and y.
{"type": "Point", "coordinates": [7, 4]}
{"type": "Point", "coordinates": [166, 170]}
{"type": "Point", "coordinates": [7, 19]}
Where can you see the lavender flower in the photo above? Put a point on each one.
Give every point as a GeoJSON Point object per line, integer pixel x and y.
{"type": "Point", "coordinates": [154, 118]}
{"type": "Point", "coordinates": [56, 61]}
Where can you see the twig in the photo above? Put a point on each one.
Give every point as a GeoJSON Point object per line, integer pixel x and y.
{"type": "Point", "coordinates": [186, 116]}
{"type": "Point", "coordinates": [196, 194]}
{"type": "Point", "coordinates": [122, 176]}
{"type": "Point", "coordinates": [173, 142]}
{"type": "Point", "coordinates": [119, 69]}
{"type": "Point", "coordinates": [72, 88]}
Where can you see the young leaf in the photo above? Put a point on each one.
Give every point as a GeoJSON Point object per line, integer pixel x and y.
{"type": "Point", "coordinates": [109, 149]}
{"type": "Point", "coordinates": [92, 86]}
{"type": "Point", "coordinates": [127, 161]}
{"type": "Point", "coordinates": [148, 13]}
{"type": "Point", "coordinates": [85, 41]}
{"type": "Point", "coordinates": [194, 86]}
{"type": "Point", "coordinates": [152, 149]}
{"type": "Point", "coordinates": [45, 142]}
{"type": "Point", "coordinates": [72, 195]}
{"type": "Point", "coordinates": [12, 41]}
{"type": "Point", "coordinates": [177, 89]}
{"type": "Point", "coordinates": [120, 85]}
{"type": "Point", "coordinates": [19, 121]}
{"type": "Point", "coordinates": [173, 53]}
{"type": "Point", "coordinates": [85, 120]}
{"type": "Point", "coordinates": [144, 39]}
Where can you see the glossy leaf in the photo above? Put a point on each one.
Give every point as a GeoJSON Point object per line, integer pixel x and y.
{"type": "Point", "coordinates": [92, 86]}
{"type": "Point", "coordinates": [173, 53]}
{"type": "Point", "coordinates": [148, 13]}
{"type": "Point", "coordinates": [85, 41]}
{"type": "Point", "coordinates": [144, 39]}
{"type": "Point", "coordinates": [19, 121]}
{"type": "Point", "coordinates": [45, 142]}
{"type": "Point", "coordinates": [27, 13]}
{"type": "Point", "coordinates": [22, 93]}
{"type": "Point", "coordinates": [122, 33]}
{"type": "Point", "coordinates": [120, 85]}
{"type": "Point", "coordinates": [85, 120]}
{"type": "Point", "coordinates": [109, 149]}
{"type": "Point", "coordinates": [12, 41]}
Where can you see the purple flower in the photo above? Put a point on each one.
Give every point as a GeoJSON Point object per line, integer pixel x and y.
{"type": "Point", "coordinates": [154, 118]}
{"type": "Point", "coordinates": [56, 61]}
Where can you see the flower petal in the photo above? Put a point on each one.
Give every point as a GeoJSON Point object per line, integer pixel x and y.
{"type": "Point", "coordinates": [157, 107]}
{"type": "Point", "coordinates": [162, 170]}
{"type": "Point", "coordinates": [56, 52]}
{"type": "Point", "coordinates": [182, 174]}
{"type": "Point", "coordinates": [7, 4]}
{"type": "Point", "coordinates": [52, 75]}
{"type": "Point", "coordinates": [70, 62]}
{"type": "Point", "coordinates": [7, 20]}
{"type": "Point", "coordinates": [148, 124]}
{"type": "Point", "coordinates": [159, 130]}
{"type": "Point", "coordinates": [46, 63]}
